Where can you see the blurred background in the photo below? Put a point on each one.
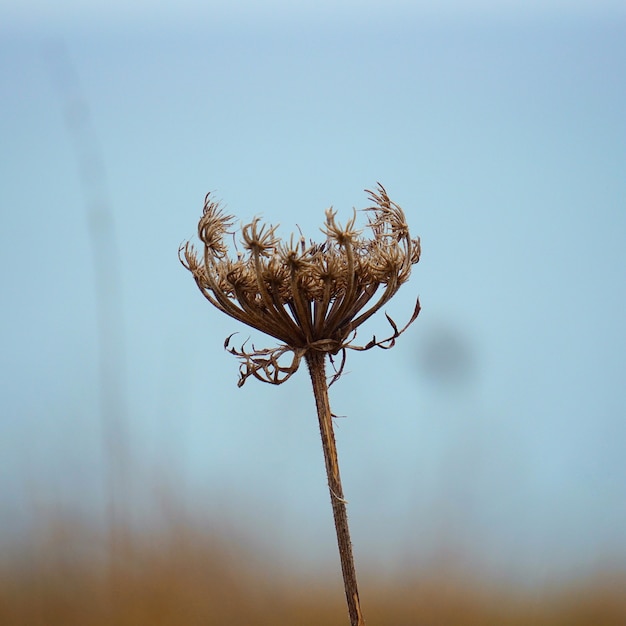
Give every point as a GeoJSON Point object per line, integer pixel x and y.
{"type": "Point", "coordinates": [488, 448]}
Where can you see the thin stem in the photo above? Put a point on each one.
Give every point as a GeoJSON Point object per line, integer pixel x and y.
{"type": "Point", "coordinates": [315, 361]}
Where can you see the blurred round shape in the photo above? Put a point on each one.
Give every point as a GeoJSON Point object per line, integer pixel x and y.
{"type": "Point", "coordinates": [445, 356]}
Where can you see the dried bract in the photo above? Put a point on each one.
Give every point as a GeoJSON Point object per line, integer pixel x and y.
{"type": "Point", "coordinates": [309, 297]}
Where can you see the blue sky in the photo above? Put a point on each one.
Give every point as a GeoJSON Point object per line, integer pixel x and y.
{"type": "Point", "coordinates": [493, 431]}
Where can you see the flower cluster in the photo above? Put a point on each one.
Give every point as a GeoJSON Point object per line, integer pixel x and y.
{"type": "Point", "coordinates": [309, 296]}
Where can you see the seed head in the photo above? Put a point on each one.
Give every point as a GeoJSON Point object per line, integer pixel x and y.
{"type": "Point", "coordinates": [308, 297]}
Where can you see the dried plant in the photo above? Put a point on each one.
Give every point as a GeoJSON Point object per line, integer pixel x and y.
{"type": "Point", "coordinates": [311, 298]}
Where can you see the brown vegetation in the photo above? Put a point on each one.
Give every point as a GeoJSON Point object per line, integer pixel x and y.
{"type": "Point", "coordinates": [181, 577]}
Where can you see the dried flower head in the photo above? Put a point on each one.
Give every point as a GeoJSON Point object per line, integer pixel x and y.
{"type": "Point", "coordinates": [310, 297]}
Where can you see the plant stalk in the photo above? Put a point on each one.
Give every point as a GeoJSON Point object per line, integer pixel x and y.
{"type": "Point", "coordinates": [315, 361]}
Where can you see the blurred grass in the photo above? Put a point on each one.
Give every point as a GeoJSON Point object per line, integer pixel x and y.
{"type": "Point", "coordinates": [64, 576]}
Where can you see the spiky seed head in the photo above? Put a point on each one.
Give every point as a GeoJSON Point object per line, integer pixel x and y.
{"type": "Point", "coordinates": [308, 297]}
